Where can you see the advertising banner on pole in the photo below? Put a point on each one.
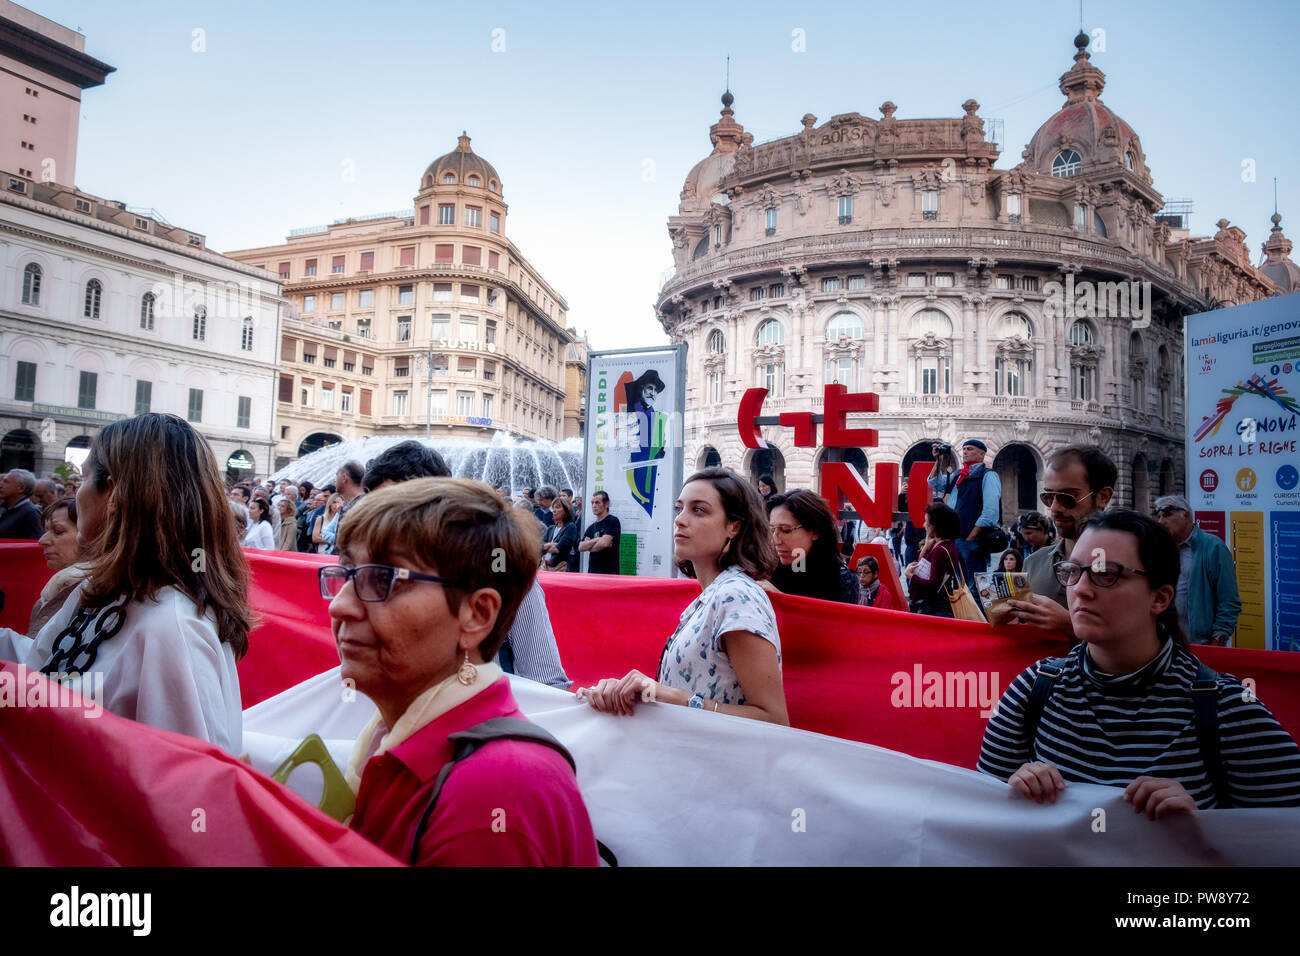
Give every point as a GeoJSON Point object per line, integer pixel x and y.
{"type": "Point", "coordinates": [1243, 467]}
{"type": "Point", "coordinates": [633, 450]}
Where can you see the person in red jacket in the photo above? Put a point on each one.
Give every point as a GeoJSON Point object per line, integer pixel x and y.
{"type": "Point", "coordinates": [872, 590]}
{"type": "Point", "coordinates": [417, 636]}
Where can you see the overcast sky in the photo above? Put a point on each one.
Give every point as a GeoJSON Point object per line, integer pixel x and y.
{"type": "Point", "coordinates": [288, 114]}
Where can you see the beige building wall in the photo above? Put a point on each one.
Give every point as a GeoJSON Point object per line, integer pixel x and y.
{"type": "Point", "coordinates": [426, 319]}
{"type": "Point", "coordinates": [575, 389]}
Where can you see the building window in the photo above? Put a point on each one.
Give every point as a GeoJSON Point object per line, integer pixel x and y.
{"type": "Point", "coordinates": [1080, 217]}
{"type": "Point", "coordinates": [1129, 161]}
{"type": "Point", "coordinates": [466, 367]}
{"type": "Point", "coordinates": [195, 411]}
{"type": "Point", "coordinates": [471, 255]}
{"type": "Point", "coordinates": [468, 329]}
{"type": "Point", "coordinates": [363, 328]}
{"type": "Point", "coordinates": [32, 284]}
{"type": "Point", "coordinates": [25, 382]}
{"type": "Point", "coordinates": [442, 292]}
{"type": "Point", "coordinates": [365, 298]}
{"type": "Point", "coordinates": [406, 256]}
{"type": "Point", "coordinates": [245, 411]}
{"type": "Point", "coordinates": [405, 294]}
{"type": "Point", "coordinates": [424, 215]}
{"type": "Point", "coordinates": [1067, 163]}
{"type": "Point", "coordinates": [399, 402]}
{"type": "Point", "coordinates": [474, 216]}
{"type": "Point", "coordinates": [831, 284]}
{"type": "Point", "coordinates": [94, 294]}
{"type": "Point", "coordinates": [449, 179]}
{"type": "Point", "coordinates": [441, 330]}
{"type": "Point", "coordinates": [490, 332]}
{"type": "Point", "coordinates": [1011, 376]}
{"type": "Point", "coordinates": [1082, 382]}
{"type": "Point", "coordinates": [464, 404]}
{"type": "Point", "coordinates": [345, 401]}
{"type": "Point", "coordinates": [200, 333]}
{"type": "Point", "coordinates": [309, 357]}
{"type": "Point", "coordinates": [308, 304]}
{"type": "Point", "coordinates": [489, 371]}
{"type": "Point", "coordinates": [246, 334]}
{"type": "Point", "coordinates": [771, 222]}
{"type": "Point", "coordinates": [311, 267]}
{"type": "Point", "coordinates": [494, 222]}
{"type": "Point", "coordinates": [87, 384]}
{"type": "Point", "coordinates": [771, 332]}
{"type": "Point", "coordinates": [715, 387]}
{"type": "Point", "coordinates": [284, 270]}
{"type": "Point", "coordinates": [943, 280]}
{"type": "Point", "coordinates": [1004, 282]}
{"type": "Point", "coordinates": [366, 370]}
{"type": "Point", "coordinates": [494, 260]}
{"type": "Point", "coordinates": [847, 324]}
{"type": "Point", "coordinates": [1013, 207]}
{"type": "Point", "coordinates": [473, 180]}
{"type": "Point", "coordinates": [327, 398]}
{"type": "Point", "coordinates": [349, 366]}
{"type": "Point", "coordinates": [468, 293]}
{"type": "Point", "coordinates": [367, 262]}
{"type": "Point", "coordinates": [930, 204]}
{"type": "Point", "coordinates": [402, 367]}
{"type": "Point", "coordinates": [338, 265]}
{"type": "Point", "coordinates": [146, 311]}
{"type": "Point", "coordinates": [336, 301]}
{"type": "Point", "coordinates": [329, 362]}
{"type": "Point", "coordinates": [717, 342]}
{"type": "Point", "coordinates": [446, 214]}
{"type": "Point", "coordinates": [846, 210]}
{"type": "Point", "coordinates": [143, 397]}
{"type": "Point", "coordinates": [440, 365]}
{"type": "Point", "coordinates": [857, 282]}
{"type": "Point", "coordinates": [1028, 284]}
{"type": "Point", "coordinates": [438, 402]}
{"type": "Point", "coordinates": [916, 280]}
{"type": "Point", "coordinates": [403, 328]}
{"type": "Point", "coordinates": [771, 377]}
{"type": "Point", "coordinates": [487, 406]}
{"type": "Point", "coordinates": [756, 294]}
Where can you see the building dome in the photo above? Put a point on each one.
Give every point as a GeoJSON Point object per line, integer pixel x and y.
{"type": "Point", "coordinates": [462, 163]}
{"type": "Point", "coordinates": [1084, 131]}
{"type": "Point", "coordinates": [1278, 267]}
{"type": "Point", "coordinates": [727, 136]}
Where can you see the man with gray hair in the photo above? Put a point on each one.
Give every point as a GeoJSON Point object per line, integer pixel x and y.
{"type": "Point", "coordinates": [1207, 599]}
{"type": "Point", "coordinates": [45, 493]}
{"type": "Point", "coordinates": [21, 517]}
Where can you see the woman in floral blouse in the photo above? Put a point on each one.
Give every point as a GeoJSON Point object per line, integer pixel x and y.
{"type": "Point", "coordinates": [725, 655]}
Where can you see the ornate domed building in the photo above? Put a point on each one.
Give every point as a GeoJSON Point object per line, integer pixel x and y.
{"type": "Point", "coordinates": [1031, 307]}
{"type": "Point", "coordinates": [424, 320]}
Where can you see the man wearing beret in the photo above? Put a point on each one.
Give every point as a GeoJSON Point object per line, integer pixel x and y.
{"type": "Point", "coordinates": [975, 493]}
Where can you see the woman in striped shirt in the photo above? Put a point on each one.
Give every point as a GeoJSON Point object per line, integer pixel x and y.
{"type": "Point", "coordinates": [1121, 711]}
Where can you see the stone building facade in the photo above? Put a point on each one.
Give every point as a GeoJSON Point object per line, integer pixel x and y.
{"type": "Point", "coordinates": [424, 319]}
{"type": "Point", "coordinates": [1030, 307]}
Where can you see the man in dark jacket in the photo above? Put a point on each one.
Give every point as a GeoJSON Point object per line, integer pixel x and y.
{"type": "Point", "coordinates": [21, 518]}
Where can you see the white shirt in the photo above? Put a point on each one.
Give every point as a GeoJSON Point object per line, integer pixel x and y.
{"type": "Point", "coordinates": [166, 667]}
{"type": "Point", "coordinates": [260, 536]}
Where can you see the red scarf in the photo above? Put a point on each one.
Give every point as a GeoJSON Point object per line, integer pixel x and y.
{"type": "Point", "coordinates": [963, 474]}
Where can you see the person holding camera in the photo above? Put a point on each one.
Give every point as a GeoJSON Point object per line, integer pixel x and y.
{"type": "Point", "coordinates": [975, 493]}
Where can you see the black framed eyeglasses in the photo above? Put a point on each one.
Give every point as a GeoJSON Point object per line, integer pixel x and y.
{"type": "Point", "coordinates": [373, 582]}
{"type": "Point", "coordinates": [1066, 499]}
{"type": "Point", "coordinates": [1069, 573]}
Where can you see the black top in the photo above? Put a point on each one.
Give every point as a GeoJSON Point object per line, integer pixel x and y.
{"type": "Point", "coordinates": [22, 521]}
{"type": "Point", "coordinates": [565, 538]}
{"type": "Point", "coordinates": [829, 584]}
{"type": "Point", "coordinates": [604, 561]}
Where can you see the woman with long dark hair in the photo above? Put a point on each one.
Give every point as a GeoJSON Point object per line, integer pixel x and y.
{"type": "Point", "coordinates": [260, 534]}
{"type": "Point", "coordinates": [1131, 706]}
{"type": "Point", "coordinates": [157, 626]}
{"type": "Point", "coordinates": [803, 531]}
{"type": "Point", "coordinates": [560, 543]}
{"type": "Point", "coordinates": [725, 651]}
{"type": "Point", "coordinates": [937, 563]}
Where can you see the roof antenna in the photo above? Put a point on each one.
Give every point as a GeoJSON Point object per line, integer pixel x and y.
{"type": "Point", "coordinates": [1275, 195]}
{"type": "Point", "coordinates": [728, 86]}
{"type": "Point", "coordinates": [1080, 16]}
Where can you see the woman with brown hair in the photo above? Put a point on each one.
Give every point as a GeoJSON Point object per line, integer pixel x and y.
{"type": "Point", "coordinates": [286, 539]}
{"type": "Point", "coordinates": [163, 614]}
{"type": "Point", "coordinates": [560, 544]}
{"type": "Point", "coordinates": [803, 531]}
{"type": "Point", "coordinates": [726, 651]}
{"type": "Point", "coordinates": [64, 556]}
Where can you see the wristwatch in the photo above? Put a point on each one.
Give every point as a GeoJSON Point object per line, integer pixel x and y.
{"type": "Point", "coordinates": [696, 702]}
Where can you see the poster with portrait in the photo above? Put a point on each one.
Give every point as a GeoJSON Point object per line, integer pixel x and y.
{"type": "Point", "coordinates": [1243, 467]}
{"type": "Point", "coordinates": [633, 449]}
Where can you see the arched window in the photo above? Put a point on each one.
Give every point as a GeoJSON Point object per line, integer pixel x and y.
{"type": "Point", "coordinates": [428, 180]}
{"type": "Point", "coordinates": [713, 381]}
{"type": "Point", "coordinates": [32, 284]}
{"type": "Point", "coordinates": [1014, 364]}
{"type": "Point", "coordinates": [200, 324]}
{"type": "Point", "coordinates": [449, 179]}
{"type": "Point", "coordinates": [848, 324]}
{"type": "Point", "coordinates": [1081, 333]}
{"type": "Point", "coordinates": [1068, 162]}
{"type": "Point", "coordinates": [1129, 161]}
{"type": "Point", "coordinates": [771, 332]}
{"type": "Point", "coordinates": [930, 371]}
{"type": "Point", "coordinates": [931, 321]}
{"type": "Point", "coordinates": [146, 311]}
{"type": "Point", "coordinates": [1015, 325]}
{"type": "Point", "coordinates": [246, 337]}
{"type": "Point", "coordinates": [717, 342]}
{"type": "Point", "coordinates": [94, 295]}
{"type": "Point", "coordinates": [473, 181]}
{"type": "Point", "coordinates": [492, 185]}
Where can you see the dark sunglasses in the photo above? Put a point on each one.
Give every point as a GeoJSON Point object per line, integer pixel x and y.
{"type": "Point", "coordinates": [1166, 511]}
{"type": "Point", "coordinates": [1069, 573]}
{"type": "Point", "coordinates": [1067, 500]}
{"type": "Point", "coordinates": [373, 582]}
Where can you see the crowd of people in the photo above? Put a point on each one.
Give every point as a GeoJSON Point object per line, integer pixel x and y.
{"type": "Point", "coordinates": [435, 597]}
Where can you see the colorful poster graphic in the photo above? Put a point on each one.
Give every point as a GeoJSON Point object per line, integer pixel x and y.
{"type": "Point", "coordinates": [634, 449]}
{"type": "Point", "coordinates": [1243, 436]}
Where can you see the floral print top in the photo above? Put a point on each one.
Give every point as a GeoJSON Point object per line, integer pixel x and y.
{"type": "Point", "coordinates": [694, 659]}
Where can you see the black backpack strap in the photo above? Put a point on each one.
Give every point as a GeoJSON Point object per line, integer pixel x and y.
{"type": "Point", "coordinates": [467, 742]}
{"type": "Point", "coordinates": [1205, 715]}
{"type": "Point", "coordinates": [1047, 673]}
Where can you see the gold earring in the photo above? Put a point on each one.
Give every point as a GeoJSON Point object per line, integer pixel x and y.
{"type": "Point", "coordinates": [468, 672]}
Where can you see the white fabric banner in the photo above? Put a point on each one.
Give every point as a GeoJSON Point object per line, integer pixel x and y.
{"type": "Point", "coordinates": [670, 786]}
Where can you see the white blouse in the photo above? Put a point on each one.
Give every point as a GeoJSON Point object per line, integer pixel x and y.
{"type": "Point", "coordinates": [166, 667]}
{"type": "Point", "coordinates": [260, 536]}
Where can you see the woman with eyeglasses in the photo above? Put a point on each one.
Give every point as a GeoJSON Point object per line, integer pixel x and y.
{"type": "Point", "coordinates": [155, 629]}
{"type": "Point", "coordinates": [803, 531]}
{"type": "Point", "coordinates": [725, 655]}
{"type": "Point", "coordinates": [417, 637]}
{"type": "Point", "coordinates": [1121, 710]}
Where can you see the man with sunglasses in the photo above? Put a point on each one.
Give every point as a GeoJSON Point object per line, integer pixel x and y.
{"type": "Point", "coordinates": [1207, 599]}
{"type": "Point", "coordinates": [1079, 480]}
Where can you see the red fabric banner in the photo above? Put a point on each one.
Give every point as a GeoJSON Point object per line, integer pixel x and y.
{"type": "Point", "coordinates": [889, 678]}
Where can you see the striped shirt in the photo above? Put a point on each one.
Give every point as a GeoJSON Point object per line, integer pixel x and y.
{"type": "Point", "coordinates": [1109, 730]}
{"type": "Point", "coordinates": [532, 642]}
